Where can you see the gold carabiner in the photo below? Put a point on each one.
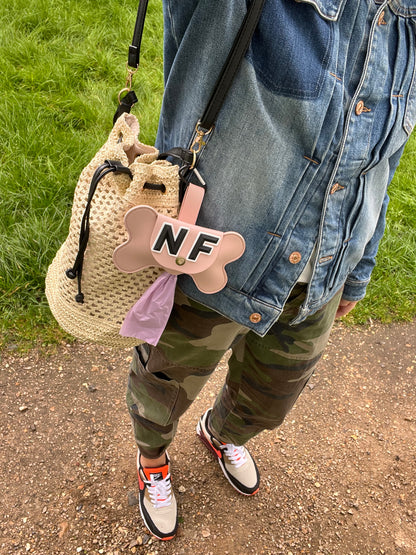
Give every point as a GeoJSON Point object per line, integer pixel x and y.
{"type": "Point", "coordinates": [129, 82]}
{"type": "Point", "coordinates": [198, 142]}
{"type": "Point", "coordinates": [125, 90]}
{"type": "Point", "coordinates": [130, 73]}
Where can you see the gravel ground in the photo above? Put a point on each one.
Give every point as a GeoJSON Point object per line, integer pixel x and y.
{"type": "Point", "coordinates": [338, 478]}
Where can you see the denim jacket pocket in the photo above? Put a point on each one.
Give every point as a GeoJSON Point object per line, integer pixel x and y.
{"type": "Point", "coordinates": [355, 216]}
{"type": "Point", "coordinates": [293, 46]}
{"type": "Point", "coordinates": [329, 9]}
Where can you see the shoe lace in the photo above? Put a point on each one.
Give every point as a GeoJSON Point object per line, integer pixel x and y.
{"type": "Point", "coordinates": [236, 454]}
{"type": "Point", "coordinates": [160, 492]}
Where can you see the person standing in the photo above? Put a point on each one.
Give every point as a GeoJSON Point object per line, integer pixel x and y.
{"type": "Point", "coordinates": [299, 163]}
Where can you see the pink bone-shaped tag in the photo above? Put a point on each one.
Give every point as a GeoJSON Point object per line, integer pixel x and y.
{"type": "Point", "coordinates": [178, 246]}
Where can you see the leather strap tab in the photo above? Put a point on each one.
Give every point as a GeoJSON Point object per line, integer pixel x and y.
{"type": "Point", "coordinates": [126, 103]}
{"type": "Point", "coordinates": [178, 153]}
{"type": "Point", "coordinates": [191, 204]}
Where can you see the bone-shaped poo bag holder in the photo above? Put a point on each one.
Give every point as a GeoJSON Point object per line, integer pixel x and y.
{"type": "Point", "coordinates": [179, 247]}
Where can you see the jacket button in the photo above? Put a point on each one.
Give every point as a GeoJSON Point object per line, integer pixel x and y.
{"type": "Point", "coordinates": [295, 257]}
{"type": "Point", "coordinates": [255, 318]}
{"type": "Point", "coordinates": [359, 108]}
{"type": "Point", "coordinates": [381, 20]}
{"type": "Point", "coordinates": [336, 187]}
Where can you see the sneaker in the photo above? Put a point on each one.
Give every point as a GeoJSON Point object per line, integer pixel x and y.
{"type": "Point", "coordinates": [157, 501]}
{"type": "Point", "coordinates": [236, 462]}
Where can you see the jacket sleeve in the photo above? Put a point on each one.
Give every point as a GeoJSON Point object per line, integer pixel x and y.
{"type": "Point", "coordinates": [357, 281]}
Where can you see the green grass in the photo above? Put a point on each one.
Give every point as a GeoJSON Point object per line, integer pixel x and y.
{"type": "Point", "coordinates": [62, 64]}
{"type": "Point", "coordinates": [391, 295]}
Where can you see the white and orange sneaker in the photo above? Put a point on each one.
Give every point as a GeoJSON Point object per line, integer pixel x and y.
{"type": "Point", "coordinates": [235, 461]}
{"type": "Point", "coordinates": [156, 500]}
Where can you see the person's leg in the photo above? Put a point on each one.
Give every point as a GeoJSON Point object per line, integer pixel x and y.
{"type": "Point", "coordinates": [164, 380]}
{"type": "Point", "coordinates": [266, 375]}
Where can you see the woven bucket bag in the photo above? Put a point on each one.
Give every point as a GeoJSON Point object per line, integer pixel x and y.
{"type": "Point", "coordinates": [88, 295]}
{"type": "Point", "coordinates": [109, 294]}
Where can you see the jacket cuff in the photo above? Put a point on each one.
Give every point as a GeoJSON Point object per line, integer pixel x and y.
{"type": "Point", "coordinates": [354, 290]}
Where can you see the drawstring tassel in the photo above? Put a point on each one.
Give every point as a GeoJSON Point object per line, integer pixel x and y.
{"type": "Point", "coordinates": [109, 166]}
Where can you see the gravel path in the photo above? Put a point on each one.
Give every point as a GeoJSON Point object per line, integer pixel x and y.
{"type": "Point", "coordinates": [338, 478]}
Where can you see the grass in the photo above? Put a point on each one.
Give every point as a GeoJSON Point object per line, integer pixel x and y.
{"type": "Point", "coordinates": [62, 66]}
{"type": "Point", "coordinates": [391, 295]}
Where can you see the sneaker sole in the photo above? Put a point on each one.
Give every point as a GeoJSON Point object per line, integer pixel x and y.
{"type": "Point", "coordinates": [208, 444]}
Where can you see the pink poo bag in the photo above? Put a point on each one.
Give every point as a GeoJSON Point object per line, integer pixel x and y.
{"type": "Point", "coordinates": [180, 247]}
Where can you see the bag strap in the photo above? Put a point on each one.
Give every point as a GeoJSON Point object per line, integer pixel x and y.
{"type": "Point", "coordinates": [134, 49]}
{"type": "Point", "coordinates": [225, 79]}
{"type": "Point", "coordinates": [232, 64]}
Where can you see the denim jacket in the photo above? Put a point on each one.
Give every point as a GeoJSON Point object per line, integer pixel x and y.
{"type": "Point", "coordinates": [305, 145]}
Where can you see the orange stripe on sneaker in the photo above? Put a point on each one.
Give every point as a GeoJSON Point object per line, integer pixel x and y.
{"type": "Point", "coordinates": [219, 453]}
{"type": "Point", "coordinates": [205, 440]}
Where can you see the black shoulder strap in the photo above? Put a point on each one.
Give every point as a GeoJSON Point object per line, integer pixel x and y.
{"type": "Point", "coordinates": [229, 69]}
{"type": "Point", "coordinates": [134, 49]}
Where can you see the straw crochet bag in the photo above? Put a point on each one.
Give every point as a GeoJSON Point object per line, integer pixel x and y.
{"type": "Point", "coordinates": [108, 293]}
{"type": "Point", "coordinates": [88, 294]}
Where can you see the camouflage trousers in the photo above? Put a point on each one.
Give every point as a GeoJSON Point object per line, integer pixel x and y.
{"type": "Point", "coordinates": [265, 374]}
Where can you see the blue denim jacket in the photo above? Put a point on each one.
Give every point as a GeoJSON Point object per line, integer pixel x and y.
{"type": "Point", "coordinates": [305, 145]}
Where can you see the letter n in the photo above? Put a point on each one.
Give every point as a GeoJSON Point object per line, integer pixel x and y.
{"type": "Point", "coordinates": [167, 236]}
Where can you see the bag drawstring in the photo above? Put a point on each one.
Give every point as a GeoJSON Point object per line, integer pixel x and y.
{"type": "Point", "coordinates": [109, 166]}
{"type": "Point", "coordinates": [115, 166]}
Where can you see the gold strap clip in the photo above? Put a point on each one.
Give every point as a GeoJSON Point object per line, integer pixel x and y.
{"type": "Point", "coordinates": [198, 142]}
{"type": "Point", "coordinates": [129, 82]}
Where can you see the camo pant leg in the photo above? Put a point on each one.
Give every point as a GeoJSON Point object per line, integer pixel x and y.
{"type": "Point", "coordinates": [164, 380]}
{"type": "Point", "coordinates": [266, 375]}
